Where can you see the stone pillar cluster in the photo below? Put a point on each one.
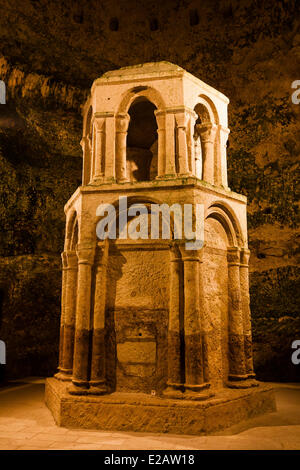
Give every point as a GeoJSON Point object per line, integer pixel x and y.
{"type": "Point", "coordinates": [186, 375]}
{"type": "Point", "coordinates": [82, 332]}
{"type": "Point", "coordinates": [187, 372]}
{"type": "Point", "coordinates": [239, 321]}
{"type": "Point", "coordinates": [244, 281]}
{"type": "Point", "coordinates": [122, 122]}
{"type": "Point", "coordinates": [68, 303]}
{"type": "Point", "coordinates": [105, 152]}
{"type": "Point", "coordinates": [97, 381]}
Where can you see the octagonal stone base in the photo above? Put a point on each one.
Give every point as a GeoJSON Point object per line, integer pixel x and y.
{"type": "Point", "coordinates": [145, 413]}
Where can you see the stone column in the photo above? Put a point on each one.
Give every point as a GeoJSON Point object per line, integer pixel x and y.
{"type": "Point", "coordinates": [91, 140]}
{"type": "Point", "coordinates": [198, 158]}
{"type": "Point", "coordinates": [207, 134]}
{"type": "Point", "coordinates": [182, 150]}
{"type": "Point", "coordinates": [244, 280]}
{"type": "Point", "coordinates": [98, 379]}
{"type": "Point", "coordinates": [222, 163]}
{"type": "Point", "coordinates": [82, 328]}
{"type": "Point", "coordinates": [161, 131]}
{"type": "Point", "coordinates": [195, 387]}
{"type": "Point", "coordinates": [99, 126]}
{"type": "Point", "coordinates": [86, 161]}
{"type": "Point", "coordinates": [70, 310]}
{"type": "Point", "coordinates": [170, 168]}
{"type": "Point", "coordinates": [175, 381]}
{"type": "Point", "coordinates": [122, 121]}
{"type": "Point", "coordinates": [237, 371]}
{"type": "Point", "coordinates": [62, 315]}
{"type": "Point", "coordinates": [191, 143]}
{"type": "Point", "coordinates": [110, 144]}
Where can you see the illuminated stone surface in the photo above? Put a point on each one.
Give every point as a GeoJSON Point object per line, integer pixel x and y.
{"type": "Point", "coordinates": [149, 316]}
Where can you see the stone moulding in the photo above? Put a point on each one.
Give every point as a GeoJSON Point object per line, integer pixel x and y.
{"type": "Point", "coordinates": [141, 412]}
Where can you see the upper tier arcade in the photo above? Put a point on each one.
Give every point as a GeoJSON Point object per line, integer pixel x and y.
{"type": "Point", "coordinates": [154, 120]}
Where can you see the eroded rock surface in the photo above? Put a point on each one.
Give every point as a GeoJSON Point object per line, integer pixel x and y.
{"type": "Point", "coordinates": [50, 54]}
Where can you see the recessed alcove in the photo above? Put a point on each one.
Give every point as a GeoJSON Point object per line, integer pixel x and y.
{"type": "Point", "coordinates": [141, 139]}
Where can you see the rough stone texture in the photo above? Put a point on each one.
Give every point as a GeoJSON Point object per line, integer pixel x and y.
{"type": "Point", "coordinates": [26, 423]}
{"type": "Point", "coordinates": [154, 314]}
{"type": "Point", "coordinates": [248, 51]}
{"type": "Point", "coordinates": [140, 412]}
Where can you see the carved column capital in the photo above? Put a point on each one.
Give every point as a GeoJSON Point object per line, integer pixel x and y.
{"type": "Point", "coordinates": [122, 122]}
{"type": "Point", "coordinates": [72, 261]}
{"type": "Point", "coordinates": [99, 123]}
{"type": "Point", "coordinates": [245, 255]}
{"type": "Point", "coordinates": [233, 256]}
{"type": "Point", "coordinates": [160, 115]}
{"type": "Point", "coordinates": [174, 252]}
{"type": "Point", "coordinates": [181, 119]}
{"type": "Point", "coordinates": [207, 131]}
{"type": "Point", "coordinates": [85, 254]}
{"type": "Point", "coordinates": [191, 255]}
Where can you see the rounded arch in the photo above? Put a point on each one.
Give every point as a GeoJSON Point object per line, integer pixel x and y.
{"type": "Point", "coordinates": [142, 140]}
{"type": "Point", "coordinates": [88, 122]}
{"type": "Point", "coordinates": [140, 92]}
{"type": "Point", "coordinates": [206, 108]}
{"type": "Point", "coordinates": [139, 200]}
{"type": "Point", "coordinates": [224, 214]}
{"type": "Point", "coordinates": [71, 231]}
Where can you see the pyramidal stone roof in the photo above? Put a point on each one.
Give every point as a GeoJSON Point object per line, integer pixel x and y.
{"type": "Point", "coordinates": [145, 69]}
{"type": "Point", "coordinates": [151, 70]}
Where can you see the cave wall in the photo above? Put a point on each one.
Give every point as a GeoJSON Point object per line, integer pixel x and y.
{"type": "Point", "coordinates": [50, 53]}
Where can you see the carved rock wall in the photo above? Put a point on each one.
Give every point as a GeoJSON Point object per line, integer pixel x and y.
{"type": "Point", "coordinates": [50, 54]}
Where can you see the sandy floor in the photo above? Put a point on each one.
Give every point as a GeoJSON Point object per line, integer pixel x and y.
{"type": "Point", "coordinates": [26, 423]}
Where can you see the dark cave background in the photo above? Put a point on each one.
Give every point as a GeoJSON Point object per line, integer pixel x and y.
{"type": "Point", "coordinates": [50, 53]}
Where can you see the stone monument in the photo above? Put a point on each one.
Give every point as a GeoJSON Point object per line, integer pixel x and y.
{"type": "Point", "coordinates": [154, 336]}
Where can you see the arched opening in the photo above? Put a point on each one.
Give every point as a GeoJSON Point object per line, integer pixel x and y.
{"type": "Point", "coordinates": [71, 231]}
{"type": "Point", "coordinates": [142, 141]}
{"type": "Point", "coordinates": [74, 239]}
{"type": "Point", "coordinates": [215, 285]}
{"type": "Point", "coordinates": [88, 147]}
{"type": "Point", "coordinates": [88, 130]}
{"type": "Point", "coordinates": [221, 274]}
{"type": "Point", "coordinates": [204, 143]}
{"type": "Point", "coordinates": [203, 118]}
{"type": "Point", "coordinates": [222, 212]}
{"type": "Point", "coordinates": [136, 315]}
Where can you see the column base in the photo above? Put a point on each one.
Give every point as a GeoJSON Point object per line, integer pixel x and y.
{"type": "Point", "coordinates": [197, 391]}
{"type": "Point", "coordinates": [188, 391]}
{"type": "Point", "coordinates": [97, 388]}
{"type": "Point", "coordinates": [242, 381]}
{"type": "Point", "coordinates": [198, 396]}
{"type": "Point", "coordinates": [174, 391]}
{"type": "Point", "coordinates": [153, 414]}
{"type": "Point", "coordinates": [123, 180]}
{"type": "Point", "coordinates": [78, 388]}
{"type": "Point", "coordinates": [64, 375]}
{"type": "Point", "coordinates": [251, 375]}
